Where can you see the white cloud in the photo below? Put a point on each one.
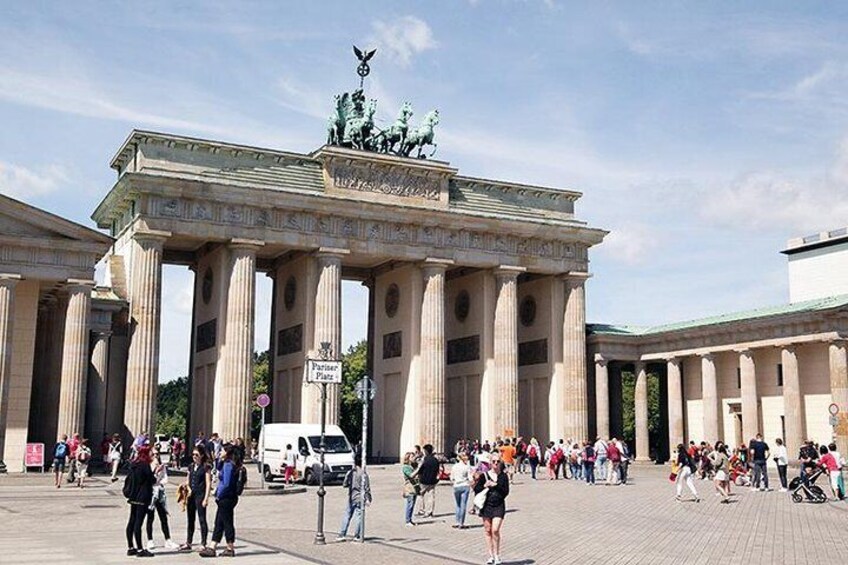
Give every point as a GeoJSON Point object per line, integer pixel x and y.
{"type": "Point", "coordinates": [630, 243]}
{"type": "Point", "coordinates": [403, 38]}
{"type": "Point", "coordinates": [23, 183]}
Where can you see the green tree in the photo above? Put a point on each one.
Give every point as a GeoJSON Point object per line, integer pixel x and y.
{"type": "Point", "coordinates": [172, 407]}
{"type": "Point", "coordinates": [261, 385]}
{"type": "Point", "coordinates": [354, 364]}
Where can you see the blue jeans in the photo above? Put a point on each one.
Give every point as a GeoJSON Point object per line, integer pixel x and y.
{"type": "Point", "coordinates": [576, 473]}
{"type": "Point", "coordinates": [460, 495]}
{"type": "Point", "coordinates": [601, 464]}
{"type": "Point", "coordinates": [351, 511]}
{"type": "Point", "coordinates": [410, 507]}
{"type": "Point", "coordinates": [589, 472]}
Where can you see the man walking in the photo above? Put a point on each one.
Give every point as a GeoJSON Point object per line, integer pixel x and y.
{"type": "Point", "coordinates": [60, 459]}
{"type": "Point", "coordinates": [759, 455]}
{"type": "Point", "coordinates": [428, 477]}
{"type": "Point", "coordinates": [353, 482]}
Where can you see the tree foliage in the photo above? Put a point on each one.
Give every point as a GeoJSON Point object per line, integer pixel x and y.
{"type": "Point", "coordinates": [628, 394]}
{"type": "Point", "coordinates": [172, 407]}
{"type": "Point", "coordinates": [261, 385]}
{"type": "Point", "coordinates": [354, 364]}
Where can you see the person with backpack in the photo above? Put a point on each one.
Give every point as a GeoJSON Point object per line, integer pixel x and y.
{"type": "Point", "coordinates": [83, 460]}
{"type": "Point", "coordinates": [353, 482]}
{"type": "Point", "coordinates": [533, 457]}
{"type": "Point", "coordinates": [138, 490]}
{"type": "Point", "coordinates": [159, 503]}
{"type": "Point", "coordinates": [589, 462]}
{"type": "Point", "coordinates": [199, 483]}
{"type": "Point", "coordinates": [60, 459]}
{"type": "Point", "coordinates": [685, 469]}
{"type": "Point", "coordinates": [231, 481]}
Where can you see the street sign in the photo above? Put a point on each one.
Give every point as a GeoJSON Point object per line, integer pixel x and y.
{"type": "Point", "coordinates": [263, 400]}
{"type": "Point", "coordinates": [833, 409]}
{"type": "Point", "coordinates": [834, 420]}
{"type": "Point", "coordinates": [365, 384]}
{"type": "Point", "coordinates": [327, 372]}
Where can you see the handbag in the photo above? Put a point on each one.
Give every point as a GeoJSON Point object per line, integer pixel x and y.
{"type": "Point", "coordinates": [480, 498]}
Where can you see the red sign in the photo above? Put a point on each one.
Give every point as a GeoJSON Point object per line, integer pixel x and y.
{"type": "Point", "coordinates": [34, 455]}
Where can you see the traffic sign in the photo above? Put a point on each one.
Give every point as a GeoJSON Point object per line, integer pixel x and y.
{"type": "Point", "coordinates": [363, 386]}
{"type": "Point", "coordinates": [833, 409]}
{"type": "Point", "coordinates": [327, 372]}
{"type": "Point", "coordinates": [263, 400]}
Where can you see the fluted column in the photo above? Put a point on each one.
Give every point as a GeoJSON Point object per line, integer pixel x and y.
{"type": "Point", "coordinates": [328, 329]}
{"type": "Point", "coordinates": [643, 449]}
{"type": "Point", "coordinates": [675, 405]}
{"type": "Point", "coordinates": [145, 313]}
{"type": "Point", "coordinates": [602, 407]}
{"type": "Point", "coordinates": [75, 358]}
{"type": "Point", "coordinates": [839, 390]}
{"type": "Point", "coordinates": [234, 378]}
{"type": "Point", "coordinates": [431, 416]}
{"type": "Point", "coordinates": [98, 375]}
{"type": "Point", "coordinates": [506, 349]}
{"type": "Point", "coordinates": [750, 413]}
{"type": "Point", "coordinates": [709, 395]}
{"type": "Point", "coordinates": [575, 400]}
{"type": "Point", "coordinates": [7, 317]}
{"type": "Point", "coordinates": [792, 407]}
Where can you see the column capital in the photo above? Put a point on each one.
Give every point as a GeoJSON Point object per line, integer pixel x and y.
{"type": "Point", "coordinates": [435, 265]}
{"type": "Point", "coordinates": [745, 352]}
{"type": "Point", "coordinates": [508, 272]}
{"type": "Point", "coordinates": [707, 356]}
{"type": "Point", "coordinates": [600, 360]}
{"type": "Point", "coordinates": [674, 361]}
{"type": "Point", "coordinates": [575, 278]}
{"type": "Point", "coordinates": [151, 236]}
{"type": "Point", "coordinates": [331, 252]}
{"type": "Point", "coordinates": [838, 342]}
{"type": "Point", "coordinates": [639, 366]}
{"type": "Point", "coordinates": [10, 280]}
{"type": "Point", "coordinates": [246, 244]}
{"type": "Point", "coordinates": [79, 285]}
{"type": "Point", "coordinates": [101, 333]}
{"type": "Point", "coordinates": [789, 348]}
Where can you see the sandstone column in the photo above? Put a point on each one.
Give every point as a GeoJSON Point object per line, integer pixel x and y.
{"type": "Point", "coordinates": [75, 358]}
{"type": "Point", "coordinates": [675, 405]}
{"type": "Point", "coordinates": [709, 395]}
{"type": "Point", "coordinates": [839, 390]}
{"type": "Point", "coordinates": [602, 408]}
{"type": "Point", "coordinates": [431, 391]}
{"type": "Point", "coordinates": [506, 349]}
{"type": "Point", "coordinates": [792, 408]}
{"type": "Point", "coordinates": [327, 322]}
{"type": "Point", "coordinates": [575, 401]}
{"type": "Point", "coordinates": [98, 375]}
{"type": "Point", "coordinates": [7, 317]}
{"type": "Point", "coordinates": [145, 312]}
{"type": "Point", "coordinates": [750, 413]}
{"type": "Point", "coordinates": [234, 379]}
{"type": "Point", "coordinates": [643, 449]}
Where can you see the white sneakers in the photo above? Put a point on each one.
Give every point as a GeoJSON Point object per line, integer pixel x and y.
{"type": "Point", "coordinates": [171, 545]}
{"type": "Point", "coordinates": [150, 545]}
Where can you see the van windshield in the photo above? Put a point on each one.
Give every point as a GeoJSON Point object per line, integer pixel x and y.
{"type": "Point", "coordinates": [335, 444]}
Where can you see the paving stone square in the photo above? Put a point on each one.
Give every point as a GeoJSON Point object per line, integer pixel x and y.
{"type": "Point", "coordinates": [548, 522]}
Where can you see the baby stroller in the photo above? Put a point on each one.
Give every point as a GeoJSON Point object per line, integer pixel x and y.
{"type": "Point", "coordinates": [808, 489]}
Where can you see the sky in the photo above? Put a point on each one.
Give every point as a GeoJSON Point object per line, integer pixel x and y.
{"type": "Point", "coordinates": [702, 135]}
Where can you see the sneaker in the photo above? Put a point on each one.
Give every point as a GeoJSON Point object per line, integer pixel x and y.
{"type": "Point", "coordinates": [144, 553]}
{"type": "Point", "coordinates": [131, 551]}
{"type": "Point", "coordinates": [150, 545]}
{"type": "Point", "coordinates": [678, 499]}
{"type": "Point", "coordinates": [340, 539]}
{"type": "Point", "coordinates": [490, 561]}
{"type": "Point", "coordinates": [410, 524]}
{"type": "Point", "coordinates": [228, 553]}
{"type": "Point", "coordinates": [497, 560]}
{"type": "Point", "coordinates": [171, 545]}
{"type": "Point", "coordinates": [184, 547]}
{"type": "Point", "coordinates": [208, 552]}
{"type": "Point", "coordinates": [782, 489]}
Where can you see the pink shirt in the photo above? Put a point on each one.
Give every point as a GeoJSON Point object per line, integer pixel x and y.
{"type": "Point", "coordinates": [829, 462]}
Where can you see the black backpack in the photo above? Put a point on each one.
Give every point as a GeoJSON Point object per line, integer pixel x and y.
{"type": "Point", "coordinates": [241, 479]}
{"type": "Point", "coordinates": [129, 485]}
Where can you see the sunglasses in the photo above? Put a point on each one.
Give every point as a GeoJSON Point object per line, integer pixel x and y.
{"type": "Point", "coordinates": [195, 455]}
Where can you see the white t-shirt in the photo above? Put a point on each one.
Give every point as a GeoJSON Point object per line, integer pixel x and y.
{"type": "Point", "coordinates": [291, 457]}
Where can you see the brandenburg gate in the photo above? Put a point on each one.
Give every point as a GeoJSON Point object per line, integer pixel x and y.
{"type": "Point", "coordinates": [477, 309]}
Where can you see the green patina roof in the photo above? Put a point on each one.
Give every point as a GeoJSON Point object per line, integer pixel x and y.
{"type": "Point", "coordinates": [816, 305]}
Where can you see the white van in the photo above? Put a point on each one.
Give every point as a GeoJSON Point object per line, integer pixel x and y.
{"type": "Point", "coordinates": [305, 439]}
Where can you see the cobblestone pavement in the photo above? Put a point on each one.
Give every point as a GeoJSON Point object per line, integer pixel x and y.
{"type": "Point", "coordinates": [547, 522]}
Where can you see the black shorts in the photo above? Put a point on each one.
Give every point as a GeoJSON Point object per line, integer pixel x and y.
{"type": "Point", "coordinates": [488, 511]}
{"type": "Point", "coordinates": [59, 465]}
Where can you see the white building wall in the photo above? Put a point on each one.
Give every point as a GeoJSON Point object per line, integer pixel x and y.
{"type": "Point", "coordinates": [818, 273]}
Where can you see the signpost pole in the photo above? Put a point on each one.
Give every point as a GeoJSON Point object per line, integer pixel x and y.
{"type": "Point", "coordinates": [364, 452]}
{"type": "Point", "coordinates": [319, 535]}
{"type": "Point", "coordinates": [262, 450]}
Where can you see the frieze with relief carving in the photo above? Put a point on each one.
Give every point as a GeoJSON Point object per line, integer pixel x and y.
{"type": "Point", "coordinates": [395, 181]}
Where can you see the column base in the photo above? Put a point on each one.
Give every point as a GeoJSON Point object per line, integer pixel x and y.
{"type": "Point", "coordinates": [643, 460]}
{"type": "Point", "coordinates": [3, 469]}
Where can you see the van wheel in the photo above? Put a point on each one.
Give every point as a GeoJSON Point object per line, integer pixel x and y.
{"type": "Point", "coordinates": [268, 475]}
{"type": "Point", "coordinates": [309, 478]}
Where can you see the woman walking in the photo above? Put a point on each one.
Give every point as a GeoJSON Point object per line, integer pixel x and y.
{"type": "Point", "coordinates": [159, 504]}
{"type": "Point", "coordinates": [410, 486]}
{"type": "Point", "coordinates": [199, 482]}
{"type": "Point", "coordinates": [495, 483]}
{"type": "Point", "coordinates": [719, 462]}
{"type": "Point", "coordinates": [461, 479]}
{"type": "Point", "coordinates": [116, 450]}
{"type": "Point", "coordinates": [138, 489]}
{"type": "Point", "coordinates": [226, 496]}
{"type": "Point", "coordinates": [685, 468]}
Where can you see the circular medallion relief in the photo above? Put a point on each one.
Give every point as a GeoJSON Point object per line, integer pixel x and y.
{"type": "Point", "coordinates": [527, 311]}
{"type": "Point", "coordinates": [462, 305]}
{"type": "Point", "coordinates": [392, 300]}
{"type": "Point", "coordinates": [206, 288]}
{"type": "Point", "coordinates": [290, 293]}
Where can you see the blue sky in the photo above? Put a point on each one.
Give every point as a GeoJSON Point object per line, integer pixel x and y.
{"type": "Point", "coordinates": [702, 134]}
